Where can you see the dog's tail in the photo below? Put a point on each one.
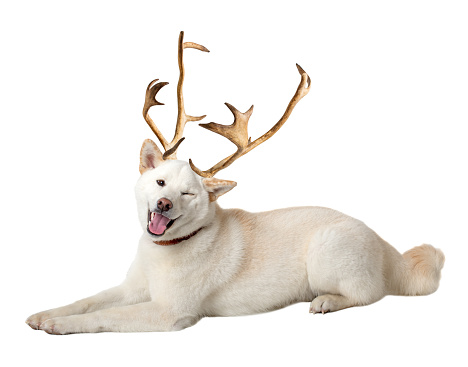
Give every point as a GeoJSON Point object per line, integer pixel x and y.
{"type": "Point", "coordinates": [418, 272]}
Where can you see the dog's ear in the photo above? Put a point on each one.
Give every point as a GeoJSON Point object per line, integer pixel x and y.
{"type": "Point", "coordinates": [150, 156]}
{"type": "Point", "coordinates": [217, 187]}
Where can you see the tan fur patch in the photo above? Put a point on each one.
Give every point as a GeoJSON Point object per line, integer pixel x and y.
{"type": "Point", "coordinates": [217, 187]}
{"type": "Point", "coordinates": [422, 259]}
{"type": "Point", "coordinates": [215, 182]}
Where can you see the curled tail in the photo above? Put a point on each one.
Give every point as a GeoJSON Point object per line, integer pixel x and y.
{"type": "Point", "coordinates": [420, 271]}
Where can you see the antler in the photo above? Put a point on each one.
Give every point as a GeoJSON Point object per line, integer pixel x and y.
{"type": "Point", "coordinates": [182, 117]}
{"type": "Point", "coordinates": [237, 131]}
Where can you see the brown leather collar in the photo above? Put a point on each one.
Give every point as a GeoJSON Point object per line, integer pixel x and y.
{"type": "Point", "coordinates": [175, 241]}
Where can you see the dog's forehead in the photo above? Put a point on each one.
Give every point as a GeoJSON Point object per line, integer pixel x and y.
{"type": "Point", "coordinates": [175, 170]}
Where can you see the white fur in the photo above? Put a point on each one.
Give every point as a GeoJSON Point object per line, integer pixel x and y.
{"type": "Point", "coordinates": [242, 263]}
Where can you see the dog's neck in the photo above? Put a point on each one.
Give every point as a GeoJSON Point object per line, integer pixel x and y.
{"type": "Point", "coordinates": [175, 241]}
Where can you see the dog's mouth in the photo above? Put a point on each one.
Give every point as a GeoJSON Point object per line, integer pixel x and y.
{"type": "Point", "coordinates": [158, 224]}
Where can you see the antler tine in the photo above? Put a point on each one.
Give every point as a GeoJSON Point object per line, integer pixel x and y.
{"type": "Point", "coordinates": [150, 101]}
{"type": "Point", "coordinates": [182, 117]}
{"type": "Point", "coordinates": [237, 131]}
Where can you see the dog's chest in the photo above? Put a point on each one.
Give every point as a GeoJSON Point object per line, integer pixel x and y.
{"type": "Point", "coordinates": [173, 277]}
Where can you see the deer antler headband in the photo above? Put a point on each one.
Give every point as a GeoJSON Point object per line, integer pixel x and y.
{"type": "Point", "coordinates": [237, 132]}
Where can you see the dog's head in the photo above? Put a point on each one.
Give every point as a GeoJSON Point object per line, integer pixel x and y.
{"type": "Point", "coordinates": [175, 198]}
{"type": "Point", "coordinates": [173, 201]}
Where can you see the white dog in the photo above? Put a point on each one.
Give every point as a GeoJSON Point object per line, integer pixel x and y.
{"type": "Point", "coordinates": [196, 259]}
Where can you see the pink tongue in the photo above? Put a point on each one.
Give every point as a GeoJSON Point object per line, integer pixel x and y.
{"type": "Point", "coordinates": [158, 224]}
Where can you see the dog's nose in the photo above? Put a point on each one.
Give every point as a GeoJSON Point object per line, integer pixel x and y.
{"type": "Point", "coordinates": [164, 204]}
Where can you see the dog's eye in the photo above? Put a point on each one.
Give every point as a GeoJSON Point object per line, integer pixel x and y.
{"type": "Point", "coordinates": [160, 182]}
{"type": "Point", "coordinates": [187, 193]}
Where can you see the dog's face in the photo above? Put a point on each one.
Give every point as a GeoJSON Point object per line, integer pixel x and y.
{"type": "Point", "coordinates": [172, 200]}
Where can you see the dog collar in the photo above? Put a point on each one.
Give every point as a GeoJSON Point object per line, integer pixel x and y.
{"type": "Point", "coordinates": [175, 241]}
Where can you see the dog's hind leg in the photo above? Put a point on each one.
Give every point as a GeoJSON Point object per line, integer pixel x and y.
{"type": "Point", "coordinates": [358, 290]}
{"type": "Point", "coordinates": [345, 267]}
{"type": "Point", "coordinates": [330, 303]}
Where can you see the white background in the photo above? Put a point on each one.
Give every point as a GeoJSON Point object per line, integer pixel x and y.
{"type": "Point", "coordinates": [381, 136]}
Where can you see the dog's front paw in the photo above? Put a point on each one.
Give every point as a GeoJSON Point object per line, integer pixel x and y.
{"type": "Point", "coordinates": [59, 326]}
{"type": "Point", "coordinates": [35, 321]}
